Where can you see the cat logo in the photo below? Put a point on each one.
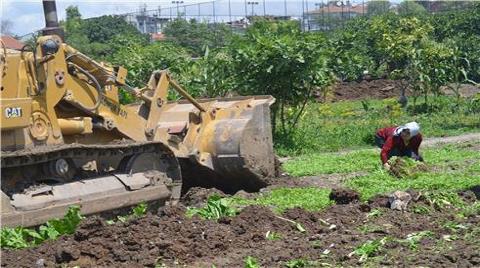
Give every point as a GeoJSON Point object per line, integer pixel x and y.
{"type": "Point", "coordinates": [12, 112]}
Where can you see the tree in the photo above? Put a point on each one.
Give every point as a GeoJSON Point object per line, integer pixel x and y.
{"type": "Point", "coordinates": [100, 37]}
{"type": "Point", "coordinates": [411, 8]}
{"type": "Point", "coordinates": [378, 7]}
{"type": "Point", "coordinates": [279, 59]}
{"type": "Point", "coordinates": [197, 36]}
{"type": "Point", "coordinates": [6, 27]}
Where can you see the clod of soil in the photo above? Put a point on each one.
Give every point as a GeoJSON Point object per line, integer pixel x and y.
{"type": "Point", "coordinates": [344, 196]}
{"type": "Point", "coordinates": [197, 196]}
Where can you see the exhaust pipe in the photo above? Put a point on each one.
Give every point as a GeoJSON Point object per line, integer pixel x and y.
{"type": "Point", "coordinates": [51, 19]}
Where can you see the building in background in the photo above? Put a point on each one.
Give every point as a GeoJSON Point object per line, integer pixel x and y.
{"type": "Point", "coordinates": [147, 22]}
{"type": "Point", "coordinates": [11, 43]}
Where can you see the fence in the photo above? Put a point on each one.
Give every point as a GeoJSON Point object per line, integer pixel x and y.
{"type": "Point", "coordinates": [314, 15]}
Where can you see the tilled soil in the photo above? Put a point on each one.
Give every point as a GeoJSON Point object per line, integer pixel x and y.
{"type": "Point", "coordinates": [331, 236]}
{"type": "Point", "coordinates": [369, 89]}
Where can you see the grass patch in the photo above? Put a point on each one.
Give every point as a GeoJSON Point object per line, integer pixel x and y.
{"type": "Point", "coordinates": [328, 163]}
{"type": "Point", "coordinates": [280, 199]}
{"type": "Point", "coordinates": [348, 124]}
{"type": "Point", "coordinates": [381, 182]}
{"type": "Point", "coordinates": [436, 177]}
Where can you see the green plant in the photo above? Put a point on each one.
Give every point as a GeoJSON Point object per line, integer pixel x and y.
{"type": "Point", "coordinates": [138, 211]}
{"type": "Point", "coordinates": [374, 213]}
{"type": "Point", "coordinates": [453, 226]}
{"type": "Point", "coordinates": [413, 239]}
{"type": "Point", "coordinates": [22, 237]}
{"type": "Point", "coordinates": [370, 248]}
{"type": "Point", "coordinates": [419, 209]}
{"type": "Point", "coordinates": [309, 198]}
{"type": "Point", "coordinates": [271, 235]}
{"type": "Point", "coordinates": [298, 263]}
{"type": "Point", "coordinates": [251, 262]}
{"type": "Point", "coordinates": [442, 199]}
{"type": "Point", "coordinates": [215, 208]}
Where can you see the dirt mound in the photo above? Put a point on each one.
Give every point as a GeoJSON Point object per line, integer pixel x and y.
{"type": "Point", "coordinates": [197, 196]}
{"type": "Point", "coordinates": [343, 196]}
{"type": "Point", "coordinates": [373, 89]}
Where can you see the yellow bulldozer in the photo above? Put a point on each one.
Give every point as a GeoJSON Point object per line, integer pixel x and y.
{"type": "Point", "coordinates": [66, 139]}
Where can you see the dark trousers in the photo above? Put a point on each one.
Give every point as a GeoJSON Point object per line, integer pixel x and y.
{"type": "Point", "coordinates": [379, 141]}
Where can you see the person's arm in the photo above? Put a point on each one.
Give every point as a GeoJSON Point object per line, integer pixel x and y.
{"type": "Point", "coordinates": [387, 147]}
{"type": "Point", "coordinates": [415, 146]}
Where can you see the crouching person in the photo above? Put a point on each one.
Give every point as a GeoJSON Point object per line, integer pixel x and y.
{"type": "Point", "coordinates": [399, 141]}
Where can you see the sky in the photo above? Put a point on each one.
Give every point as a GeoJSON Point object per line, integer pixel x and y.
{"type": "Point", "coordinates": [26, 16]}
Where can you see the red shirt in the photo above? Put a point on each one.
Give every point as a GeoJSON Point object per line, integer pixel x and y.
{"type": "Point", "coordinates": [392, 141]}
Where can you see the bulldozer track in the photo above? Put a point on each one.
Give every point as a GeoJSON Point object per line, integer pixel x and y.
{"type": "Point", "coordinates": [43, 154]}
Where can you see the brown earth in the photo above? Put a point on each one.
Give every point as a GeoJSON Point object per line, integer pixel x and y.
{"type": "Point", "coordinates": [170, 238]}
{"type": "Point", "coordinates": [372, 89]}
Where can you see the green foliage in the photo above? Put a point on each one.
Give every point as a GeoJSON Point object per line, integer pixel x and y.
{"type": "Point", "coordinates": [413, 239]}
{"type": "Point", "coordinates": [138, 211]}
{"type": "Point", "coordinates": [141, 61]}
{"type": "Point", "coordinates": [212, 74]}
{"type": "Point", "coordinates": [20, 237]}
{"type": "Point", "coordinates": [271, 235]}
{"type": "Point", "coordinates": [299, 263]}
{"type": "Point", "coordinates": [197, 36]}
{"type": "Point", "coordinates": [378, 181]}
{"type": "Point", "coordinates": [309, 198]}
{"type": "Point", "coordinates": [374, 213]}
{"type": "Point", "coordinates": [405, 167]}
{"type": "Point", "coordinates": [370, 248]}
{"type": "Point", "coordinates": [328, 163]}
{"type": "Point", "coordinates": [442, 199]}
{"type": "Point", "coordinates": [378, 7]}
{"type": "Point", "coordinates": [215, 209]}
{"type": "Point", "coordinates": [347, 125]}
{"type": "Point", "coordinates": [251, 262]}
{"type": "Point", "coordinates": [278, 59]}
{"type": "Point", "coordinates": [419, 209]}
{"type": "Point", "coordinates": [99, 37]}
{"type": "Point", "coordinates": [411, 8]}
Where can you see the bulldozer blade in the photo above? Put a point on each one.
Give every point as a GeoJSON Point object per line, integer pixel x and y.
{"type": "Point", "coordinates": [229, 146]}
{"type": "Point", "coordinates": [94, 196]}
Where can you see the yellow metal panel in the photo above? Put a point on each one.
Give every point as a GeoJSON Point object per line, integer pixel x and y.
{"type": "Point", "coordinates": [15, 113]}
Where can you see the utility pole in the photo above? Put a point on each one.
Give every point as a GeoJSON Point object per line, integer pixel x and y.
{"type": "Point", "coordinates": [178, 3]}
{"type": "Point", "coordinates": [252, 3]}
{"type": "Point", "coordinates": [264, 9]}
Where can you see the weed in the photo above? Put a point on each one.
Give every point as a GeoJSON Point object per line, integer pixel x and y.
{"type": "Point", "coordinates": [419, 209]}
{"type": "Point", "coordinates": [453, 226]}
{"type": "Point", "coordinates": [270, 235]}
{"type": "Point", "coordinates": [370, 228]}
{"type": "Point", "coordinates": [299, 263]}
{"type": "Point", "coordinates": [370, 248]}
{"type": "Point", "coordinates": [138, 211]}
{"type": "Point", "coordinates": [21, 237]}
{"type": "Point", "coordinates": [251, 262]}
{"type": "Point", "coordinates": [404, 167]}
{"type": "Point", "coordinates": [442, 199]}
{"type": "Point", "coordinates": [414, 239]}
{"type": "Point", "coordinates": [374, 213]}
{"type": "Point", "coordinates": [470, 210]}
{"type": "Point", "coordinates": [215, 208]}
